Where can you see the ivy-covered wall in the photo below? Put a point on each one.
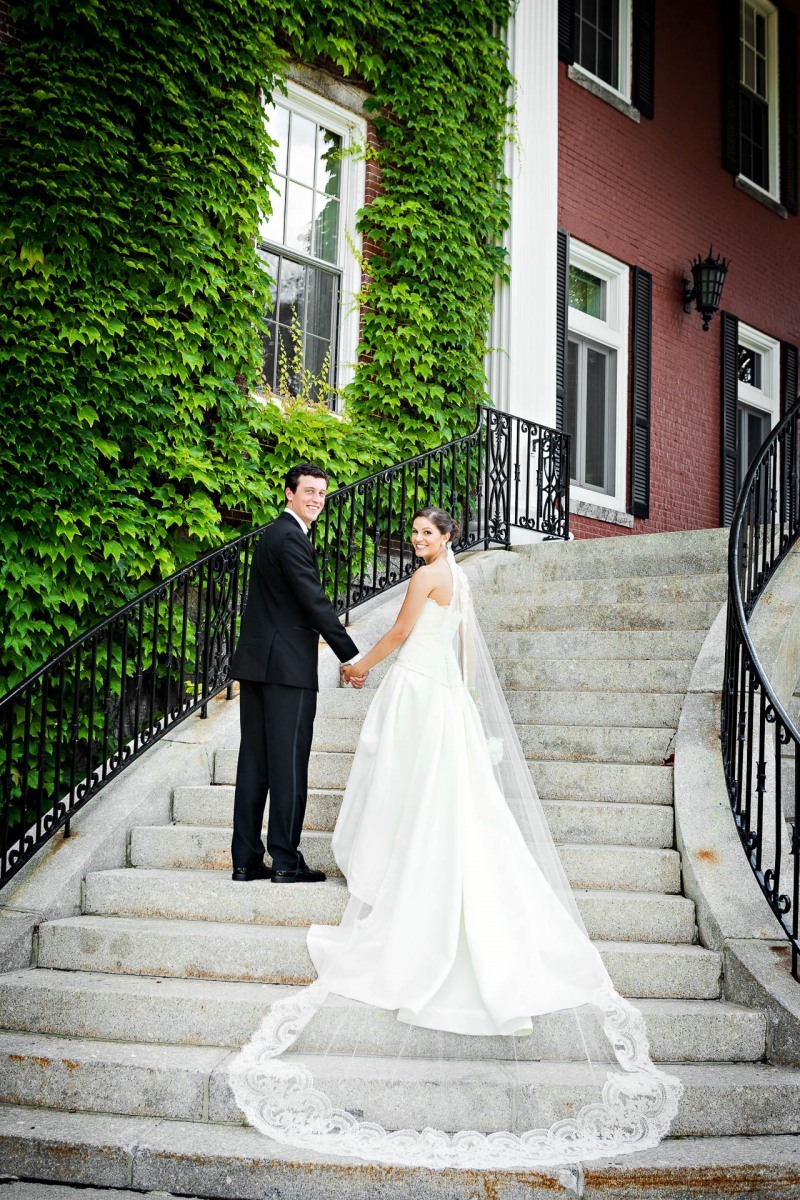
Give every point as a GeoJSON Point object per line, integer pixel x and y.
{"type": "Point", "coordinates": [131, 301]}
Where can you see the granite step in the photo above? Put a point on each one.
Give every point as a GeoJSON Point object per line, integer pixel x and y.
{"type": "Point", "coordinates": [257, 949]}
{"type": "Point", "coordinates": [696, 552]}
{"type": "Point", "coordinates": [627, 710]}
{"type": "Point", "coordinates": [595, 743]}
{"type": "Point", "coordinates": [502, 613]}
{"type": "Point", "coordinates": [628, 589]}
{"type": "Point", "coordinates": [174, 849]}
{"type": "Point", "coordinates": [602, 783]}
{"type": "Point", "coordinates": [569, 820]}
{"type": "Point", "coordinates": [232, 1162]}
{"type": "Point", "coordinates": [623, 674]}
{"type": "Point", "coordinates": [192, 1083]}
{"type": "Point", "coordinates": [571, 644]}
{"type": "Point", "coordinates": [196, 1012]}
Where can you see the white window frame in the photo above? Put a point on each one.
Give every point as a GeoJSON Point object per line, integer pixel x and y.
{"type": "Point", "coordinates": [767, 398]}
{"type": "Point", "coordinates": [611, 333]}
{"type": "Point", "coordinates": [624, 65]}
{"type": "Point", "coordinates": [353, 132]}
{"type": "Point", "coordinates": [770, 12]}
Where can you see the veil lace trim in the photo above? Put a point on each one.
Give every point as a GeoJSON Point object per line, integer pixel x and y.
{"type": "Point", "coordinates": [276, 1091]}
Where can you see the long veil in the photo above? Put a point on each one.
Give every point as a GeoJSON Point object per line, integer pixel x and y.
{"type": "Point", "coordinates": [290, 1080]}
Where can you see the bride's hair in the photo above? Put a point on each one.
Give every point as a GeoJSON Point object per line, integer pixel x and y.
{"type": "Point", "coordinates": [442, 520]}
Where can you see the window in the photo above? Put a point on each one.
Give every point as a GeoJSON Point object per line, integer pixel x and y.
{"type": "Point", "coordinates": [602, 42]}
{"type": "Point", "coordinates": [318, 187]}
{"type": "Point", "coordinates": [757, 395]}
{"type": "Point", "coordinates": [758, 94]}
{"type": "Point", "coordinates": [597, 369]}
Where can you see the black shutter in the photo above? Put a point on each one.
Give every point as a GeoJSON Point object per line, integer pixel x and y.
{"type": "Point", "coordinates": [789, 380]}
{"type": "Point", "coordinates": [644, 55]}
{"type": "Point", "coordinates": [787, 82]}
{"type": "Point", "coordinates": [730, 85]}
{"type": "Point", "coordinates": [566, 30]}
{"type": "Point", "coordinates": [562, 309]}
{"type": "Point", "coordinates": [641, 354]}
{"type": "Point", "coordinates": [730, 380]}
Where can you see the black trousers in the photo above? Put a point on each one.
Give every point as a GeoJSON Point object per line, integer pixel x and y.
{"type": "Point", "coordinates": [277, 724]}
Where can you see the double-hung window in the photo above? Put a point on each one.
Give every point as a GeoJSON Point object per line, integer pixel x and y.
{"type": "Point", "coordinates": [758, 94]}
{"type": "Point", "coordinates": [602, 42]}
{"type": "Point", "coordinates": [597, 372]}
{"type": "Point", "coordinates": [308, 242]}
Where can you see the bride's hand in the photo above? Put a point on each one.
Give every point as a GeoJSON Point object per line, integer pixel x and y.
{"type": "Point", "coordinates": [352, 675]}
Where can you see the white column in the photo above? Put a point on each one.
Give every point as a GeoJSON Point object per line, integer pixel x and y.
{"type": "Point", "coordinates": [521, 368]}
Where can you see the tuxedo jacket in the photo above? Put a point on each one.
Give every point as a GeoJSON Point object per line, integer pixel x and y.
{"type": "Point", "coordinates": [286, 612]}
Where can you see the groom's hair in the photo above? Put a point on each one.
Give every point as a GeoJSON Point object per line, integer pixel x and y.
{"type": "Point", "coordinates": [293, 478]}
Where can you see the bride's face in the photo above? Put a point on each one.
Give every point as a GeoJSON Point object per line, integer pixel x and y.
{"type": "Point", "coordinates": [428, 543]}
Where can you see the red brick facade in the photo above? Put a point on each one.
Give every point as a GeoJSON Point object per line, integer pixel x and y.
{"type": "Point", "coordinates": [655, 194]}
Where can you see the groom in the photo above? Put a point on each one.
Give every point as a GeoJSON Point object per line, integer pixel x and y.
{"type": "Point", "coordinates": [276, 663]}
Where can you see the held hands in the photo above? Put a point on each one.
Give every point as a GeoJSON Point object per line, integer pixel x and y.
{"type": "Point", "coordinates": [353, 675]}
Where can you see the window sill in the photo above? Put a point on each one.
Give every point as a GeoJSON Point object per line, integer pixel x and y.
{"type": "Point", "coordinates": [596, 512]}
{"type": "Point", "coordinates": [756, 193]}
{"type": "Point", "coordinates": [599, 89]}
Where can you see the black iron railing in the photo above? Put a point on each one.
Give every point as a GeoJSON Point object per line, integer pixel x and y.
{"type": "Point", "coordinates": [760, 743]}
{"type": "Point", "coordinates": [73, 725]}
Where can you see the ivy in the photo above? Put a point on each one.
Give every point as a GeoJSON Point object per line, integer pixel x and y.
{"type": "Point", "coordinates": [131, 299]}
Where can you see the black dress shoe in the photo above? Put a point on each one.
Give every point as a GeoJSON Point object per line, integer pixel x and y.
{"type": "Point", "coordinates": [245, 874]}
{"type": "Point", "coordinates": [301, 875]}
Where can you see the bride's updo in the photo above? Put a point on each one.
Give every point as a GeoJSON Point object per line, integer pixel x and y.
{"type": "Point", "coordinates": [442, 520]}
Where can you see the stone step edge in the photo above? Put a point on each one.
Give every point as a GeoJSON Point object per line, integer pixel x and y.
{"type": "Point", "coordinates": [229, 1163]}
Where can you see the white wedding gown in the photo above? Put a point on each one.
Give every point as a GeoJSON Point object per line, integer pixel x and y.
{"type": "Point", "coordinates": [454, 925]}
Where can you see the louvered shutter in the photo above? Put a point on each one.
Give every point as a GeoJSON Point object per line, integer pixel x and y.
{"type": "Point", "coordinates": [730, 85]}
{"type": "Point", "coordinates": [787, 79]}
{"type": "Point", "coordinates": [566, 30]}
{"type": "Point", "coordinates": [644, 53]}
{"type": "Point", "coordinates": [730, 378]}
{"type": "Point", "coordinates": [641, 355]}
{"type": "Point", "coordinates": [562, 311]}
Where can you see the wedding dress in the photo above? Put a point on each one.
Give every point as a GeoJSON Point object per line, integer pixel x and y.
{"type": "Point", "coordinates": [460, 920]}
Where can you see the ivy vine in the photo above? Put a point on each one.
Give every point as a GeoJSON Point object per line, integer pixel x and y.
{"type": "Point", "coordinates": [131, 299]}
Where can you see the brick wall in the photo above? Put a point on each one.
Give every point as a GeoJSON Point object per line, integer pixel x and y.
{"type": "Point", "coordinates": [655, 194]}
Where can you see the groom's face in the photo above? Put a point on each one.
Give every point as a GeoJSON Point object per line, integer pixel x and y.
{"type": "Point", "coordinates": [309, 498]}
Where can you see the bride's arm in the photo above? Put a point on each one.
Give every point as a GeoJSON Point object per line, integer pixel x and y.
{"type": "Point", "coordinates": [419, 589]}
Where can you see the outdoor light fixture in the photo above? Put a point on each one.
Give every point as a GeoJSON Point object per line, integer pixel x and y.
{"type": "Point", "coordinates": [709, 276]}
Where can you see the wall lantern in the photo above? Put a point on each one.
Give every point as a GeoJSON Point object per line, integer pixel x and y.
{"type": "Point", "coordinates": [709, 277]}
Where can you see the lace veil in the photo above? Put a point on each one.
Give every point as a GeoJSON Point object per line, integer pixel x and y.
{"type": "Point", "coordinates": [281, 1078]}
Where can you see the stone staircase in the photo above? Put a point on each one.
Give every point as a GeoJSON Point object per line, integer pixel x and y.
{"type": "Point", "coordinates": [114, 1050]}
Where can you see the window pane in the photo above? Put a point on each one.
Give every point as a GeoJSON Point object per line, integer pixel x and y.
{"type": "Point", "coordinates": [278, 125]}
{"type": "Point", "coordinates": [269, 358]}
{"type": "Point", "coordinates": [321, 295]}
{"type": "Point", "coordinates": [289, 364]}
{"type": "Point", "coordinates": [596, 424]}
{"type": "Point", "coordinates": [317, 352]}
{"type": "Point", "coordinates": [301, 150]}
{"type": "Point", "coordinates": [291, 294]}
{"type": "Point", "coordinates": [326, 228]}
{"type": "Point", "coordinates": [299, 210]}
{"type": "Point", "coordinates": [749, 366]}
{"type": "Point", "coordinates": [271, 227]}
{"type": "Point", "coordinates": [271, 264]}
{"type": "Point", "coordinates": [328, 162]}
{"type": "Point", "coordinates": [571, 405]}
{"type": "Point", "coordinates": [587, 293]}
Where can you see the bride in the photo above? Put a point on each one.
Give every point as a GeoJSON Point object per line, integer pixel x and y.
{"type": "Point", "coordinates": [460, 919]}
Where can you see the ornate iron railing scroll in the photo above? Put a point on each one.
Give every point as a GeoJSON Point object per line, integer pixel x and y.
{"type": "Point", "coordinates": [760, 742]}
{"type": "Point", "coordinates": [73, 725]}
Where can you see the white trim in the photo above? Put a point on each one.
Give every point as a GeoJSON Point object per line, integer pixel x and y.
{"type": "Point", "coordinates": [353, 132]}
{"type": "Point", "coordinates": [613, 333]}
{"type": "Point", "coordinates": [767, 398]}
{"type": "Point", "coordinates": [521, 363]}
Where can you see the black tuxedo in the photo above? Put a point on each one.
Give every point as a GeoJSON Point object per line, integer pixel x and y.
{"type": "Point", "coordinates": [276, 662]}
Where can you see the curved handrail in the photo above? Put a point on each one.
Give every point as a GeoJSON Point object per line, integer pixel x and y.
{"type": "Point", "coordinates": [72, 725]}
{"type": "Point", "coordinates": [755, 726]}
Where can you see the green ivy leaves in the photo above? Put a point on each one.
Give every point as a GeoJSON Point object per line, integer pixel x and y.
{"type": "Point", "coordinates": [131, 298]}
